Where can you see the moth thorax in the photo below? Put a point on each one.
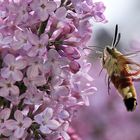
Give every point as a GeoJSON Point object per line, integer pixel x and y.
{"type": "Point", "coordinates": [130, 103]}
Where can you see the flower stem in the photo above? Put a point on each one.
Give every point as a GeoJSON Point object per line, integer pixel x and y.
{"type": "Point", "coordinates": [42, 26]}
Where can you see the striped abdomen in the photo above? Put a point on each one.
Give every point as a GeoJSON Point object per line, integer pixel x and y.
{"type": "Point", "coordinates": [126, 88]}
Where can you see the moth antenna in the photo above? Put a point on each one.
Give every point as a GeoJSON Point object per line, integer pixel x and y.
{"type": "Point", "coordinates": [118, 39]}
{"type": "Point", "coordinates": [115, 36]}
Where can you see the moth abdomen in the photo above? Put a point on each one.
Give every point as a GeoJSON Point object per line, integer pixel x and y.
{"type": "Point", "coordinates": [121, 81]}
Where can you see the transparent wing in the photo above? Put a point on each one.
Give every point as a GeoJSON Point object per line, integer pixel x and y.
{"type": "Point", "coordinates": [133, 57]}
{"type": "Point", "coordinates": [93, 52]}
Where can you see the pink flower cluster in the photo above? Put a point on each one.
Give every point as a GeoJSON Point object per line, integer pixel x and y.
{"type": "Point", "coordinates": [43, 77]}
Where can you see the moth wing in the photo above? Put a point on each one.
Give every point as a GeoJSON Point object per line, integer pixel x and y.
{"type": "Point", "coordinates": [130, 62]}
{"type": "Point", "coordinates": [133, 54]}
{"type": "Point", "coordinates": [132, 59]}
{"type": "Point", "coordinates": [93, 52]}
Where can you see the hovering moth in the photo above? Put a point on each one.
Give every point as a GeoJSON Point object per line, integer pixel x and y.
{"type": "Point", "coordinates": [121, 72]}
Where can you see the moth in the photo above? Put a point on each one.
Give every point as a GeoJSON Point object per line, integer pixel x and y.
{"type": "Point", "coordinates": [121, 72]}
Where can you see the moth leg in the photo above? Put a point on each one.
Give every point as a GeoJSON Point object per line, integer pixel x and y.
{"type": "Point", "coordinates": [108, 84]}
{"type": "Point", "coordinates": [103, 57]}
{"type": "Point", "coordinates": [101, 71]}
{"type": "Point", "coordinates": [103, 62]}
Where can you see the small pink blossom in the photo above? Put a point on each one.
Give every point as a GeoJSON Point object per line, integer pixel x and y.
{"type": "Point", "coordinates": [38, 45]}
{"type": "Point", "coordinates": [21, 41]}
{"type": "Point", "coordinates": [22, 13]}
{"type": "Point", "coordinates": [4, 115]}
{"type": "Point", "coordinates": [33, 96]}
{"type": "Point", "coordinates": [7, 88]}
{"type": "Point", "coordinates": [36, 67]}
{"type": "Point", "coordinates": [54, 62]}
{"type": "Point", "coordinates": [43, 8]}
{"type": "Point", "coordinates": [46, 121]}
{"type": "Point", "coordinates": [63, 131]}
{"type": "Point", "coordinates": [97, 12]}
{"type": "Point", "coordinates": [13, 67]}
{"type": "Point", "coordinates": [19, 125]}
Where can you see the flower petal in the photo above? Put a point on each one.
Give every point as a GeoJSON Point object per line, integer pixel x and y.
{"type": "Point", "coordinates": [53, 124]}
{"type": "Point", "coordinates": [44, 39]}
{"type": "Point", "coordinates": [14, 90]}
{"type": "Point", "coordinates": [61, 13]}
{"type": "Point", "coordinates": [5, 113]}
{"type": "Point", "coordinates": [38, 118]}
{"type": "Point", "coordinates": [53, 54]}
{"type": "Point", "coordinates": [65, 135]}
{"type": "Point", "coordinates": [20, 64]}
{"type": "Point", "coordinates": [17, 75]}
{"type": "Point", "coordinates": [48, 113]}
{"type": "Point", "coordinates": [4, 92]}
{"type": "Point", "coordinates": [39, 80]}
{"type": "Point", "coordinates": [9, 59]}
{"type": "Point", "coordinates": [5, 73]}
{"type": "Point", "coordinates": [51, 6]}
{"type": "Point", "coordinates": [11, 124]}
{"type": "Point", "coordinates": [33, 51]}
{"type": "Point", "coordinates": [44, 129]}
{"type": "Point", "coordinates": [27, 122]}
{"type": "Point", "coordinates": [32, 71]}
{"type": "Point", "coordinates": [19, 132]}
{"type": "Point", "coordinates": [18, 116]}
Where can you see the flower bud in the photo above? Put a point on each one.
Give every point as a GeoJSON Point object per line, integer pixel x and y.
{"type": "Point", "coordinates": [74, 66]}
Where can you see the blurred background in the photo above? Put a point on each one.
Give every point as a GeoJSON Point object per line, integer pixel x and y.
{"type": "Point", "coordinates": [106, 118]}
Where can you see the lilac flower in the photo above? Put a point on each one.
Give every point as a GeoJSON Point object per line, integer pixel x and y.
{"type": "Point", "coordinates": [7, 88]}
{"type": "Point", "coordinates": [38, 45]}
{"type": "Point", "coordinates": [23, 14]}
{"type": "Point", "coordinates": [33, 96]}
{"type": "Point", "coordinates": [57, 89]}
{"type": "Point", "coordinates": [4, 115]}
{"type": "Point", "coordinates": [82, 87]}
{"type": "Point", "coordinates": [84, 72]}
{"type": "Point", "coordinates": [13, 67]}
{"type": "Point", "coordinates": [62, 131]}
{"type": "Point", "coordinates": [43, 8]}
{"type": "Point", "coordinates": [98, 9]}
{"type": "Point", "coordinates": [19, 125]}
{"type": "Point", "coordinates": [47, 123]}
{"type": "Point", "coordinates": [54, 62]}
{"type": "Point", "coordinates": [36, 67]}
{"type": "Point", "coordinates": [21, 40]}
